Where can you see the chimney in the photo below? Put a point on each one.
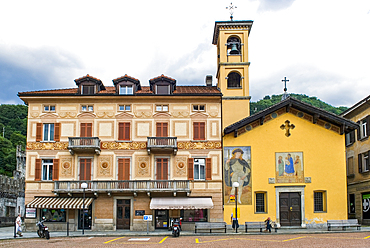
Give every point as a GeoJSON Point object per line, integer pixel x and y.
{"type": "Point", "coordinates": [209, 80]}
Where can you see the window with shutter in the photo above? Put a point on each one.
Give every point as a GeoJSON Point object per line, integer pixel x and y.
{"type": "Point", "coordinates": [208, 169]}
{"type": "Point", "coordinates": [359, 161]}
{"type": "Point", "coordinates": [38, 131]}
{"type": "Point", "coordinates": [124, 131]}
{"type": "Point", "coordinates": [38, 170]}
{"type": "Point", "coordinates": [123, 169]}
{"type": "Point", "coordinates": [85, 169]}
{"type": "Point", "coordinates": [86, 130]}
{"type": "Point", "coordinates": [55, 169]}
{"type": "Point", "coordinates": [57, 132]}
{"type": "Point", "coordinates": [190, 169]}
{"type": "Point", "coordinates": [199, 131]}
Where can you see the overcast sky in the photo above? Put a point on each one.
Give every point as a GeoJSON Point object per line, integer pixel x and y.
{"type": "Point", "coordinates": [321, 46]}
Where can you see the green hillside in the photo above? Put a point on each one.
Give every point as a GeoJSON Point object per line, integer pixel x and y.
{"type": "Point", "coordinates": [268, 101]}
{"type": "Point", "coordinates": [13, 132]}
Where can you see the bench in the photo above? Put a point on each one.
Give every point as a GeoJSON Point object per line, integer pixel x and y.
{"type": "Point", "coordinates": [343, 224]}
{"type": "Point", "coordinates": [257, 225]}
{"type": "Point", "coordinates": [210, 226]}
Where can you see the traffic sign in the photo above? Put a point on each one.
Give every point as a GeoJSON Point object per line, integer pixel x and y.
{"type": "Point", "coordinates": [148, 217]}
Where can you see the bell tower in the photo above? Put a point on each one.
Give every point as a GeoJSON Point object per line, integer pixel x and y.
{"type": "Point", "coordinates": [231, 39]}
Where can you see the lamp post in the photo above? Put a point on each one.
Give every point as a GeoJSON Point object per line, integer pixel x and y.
{"type": "Point", "coordinates": [236, 185]}
{"type": "Point", "coordinates": [83, 186]}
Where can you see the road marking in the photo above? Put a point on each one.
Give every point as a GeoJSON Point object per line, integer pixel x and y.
{"type": "Point", "coordinates": [216, 240]}
{"type": "Point", "coordinates": [197, 241]}
{"type": "Point", "coordinates": [293, 239]}
{"type": "Point", "coordinates": [367, 237]}
{"type": "Point", "coordinates": [91, 238]}
{"type": "Point", "coordinates": [113, 240]}
{"type": "Point", "coordinates": [163, 240]}
{"type": "Point", "coordinates": [139, 239]}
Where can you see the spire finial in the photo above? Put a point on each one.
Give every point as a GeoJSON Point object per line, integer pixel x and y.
{"type": "Point", "coordinates": [231, 8]}
{"type": "Point", "coordinates": [285, 95]}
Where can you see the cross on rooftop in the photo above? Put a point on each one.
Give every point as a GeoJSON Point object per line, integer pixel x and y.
{"type": "Point", "coordinates": [231, 8]}
{"type": "Point", "coordinates": [285, 80]}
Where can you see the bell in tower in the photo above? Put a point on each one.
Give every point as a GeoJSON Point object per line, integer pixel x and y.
{"type": "Point", "coordinates": [233, 46]}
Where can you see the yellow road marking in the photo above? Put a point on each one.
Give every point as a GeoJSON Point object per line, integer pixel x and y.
{"type": "Point", "coordinates": [216, 240]}
{"type": "Point", "coordinates": [113, 240]}
{"type": "Point", "coordinates": [163, 240]}
{"type": "Point", "coordinates": [197, 241]}
{"type": "Point", "coordinates": [293, 239]}
{"type": "Point", "coordinates": [367, 237]}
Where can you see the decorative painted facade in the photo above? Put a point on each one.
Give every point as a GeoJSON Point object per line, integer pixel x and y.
{"type": "Point", "coordinates": [132, 144]}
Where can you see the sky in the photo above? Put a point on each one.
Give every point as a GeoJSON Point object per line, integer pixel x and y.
{"type": "Point", "coordinates": [321, 46]}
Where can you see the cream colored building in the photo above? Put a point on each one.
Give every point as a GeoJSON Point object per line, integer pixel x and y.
{"type": "Point", "coordinates": [153, 150]}
{"type": "Point", "coordinates": [358, 166]}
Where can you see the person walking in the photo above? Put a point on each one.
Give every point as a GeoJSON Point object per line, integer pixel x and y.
{"type": "Point", "coordinates": [18, 225]}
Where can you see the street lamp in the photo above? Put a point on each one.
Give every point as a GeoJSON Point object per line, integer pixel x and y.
{"type": "Point", "coordinates": [236, 185]}
{"type": "Point", "coordinates": [83, 186]}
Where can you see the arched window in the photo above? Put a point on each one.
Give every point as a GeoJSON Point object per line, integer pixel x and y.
{"type": "Point", "coordinates": [233, 80]}
{"type": "Point", "coordinates": [233, 46]}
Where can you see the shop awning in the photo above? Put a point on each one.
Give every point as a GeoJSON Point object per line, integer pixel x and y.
{"type": "Point", "coordinates": [59, 202]}
{"type": "Point", "coordinates": [180, 203]}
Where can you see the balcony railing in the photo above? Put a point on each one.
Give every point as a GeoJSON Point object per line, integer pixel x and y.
{"type": "Point", "coordinates": [84, 144]}
{"type": "Point", "coordinates": [162, 144]}
{"type": "Point", "coordinates": [134, 186]}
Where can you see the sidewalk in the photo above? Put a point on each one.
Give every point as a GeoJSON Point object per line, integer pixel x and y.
{"type": "Point", "coordinates": [8, 232]}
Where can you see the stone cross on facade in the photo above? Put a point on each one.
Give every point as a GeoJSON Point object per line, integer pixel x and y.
{"type": "Point", "coordinates": [231, 8]}
{"type": "Point", "coordinates": [287, 126]}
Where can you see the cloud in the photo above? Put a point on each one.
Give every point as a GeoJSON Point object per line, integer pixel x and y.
{"type": "Point", "coordinates": [274, 5]}
{"type": "Point", "coordinates": [29, 69]}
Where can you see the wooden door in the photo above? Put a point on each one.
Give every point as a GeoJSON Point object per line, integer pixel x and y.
{"type": "Point", "coordinates": [85, 169]}
{"type": "Point", "coordinates": [123, 214]}
{"type": "Point", "coordinates": [290, 209]}
{"type": "Point", "coordinates": [86, 130]}
{"type": "Point", "coordinates": [162, 171]}
{"type": "Point", "coordinates": [162, 131]}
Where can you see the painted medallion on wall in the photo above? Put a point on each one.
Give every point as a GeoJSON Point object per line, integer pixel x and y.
{"type": "Point", "coordinates": [237, 168]}
{"type": "Point", "coordinates": [289, 167]}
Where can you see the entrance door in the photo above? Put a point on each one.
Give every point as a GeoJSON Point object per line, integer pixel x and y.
{"type": "Point", "coordinates": [161, 219]}
{"type": "Point", "coordinates": [290, 209]}
{"type": "Point", "coordinates": [162, 171]}
{"type": "Point", "coordinates": [123, 214]}
{"type": "Point", "coordinates": [86, 215]}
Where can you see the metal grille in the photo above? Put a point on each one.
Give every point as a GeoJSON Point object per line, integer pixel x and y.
{"type": "Point", "coordinates": [260, 202]}
{"type": "Point", "coordinates": [318, 201]}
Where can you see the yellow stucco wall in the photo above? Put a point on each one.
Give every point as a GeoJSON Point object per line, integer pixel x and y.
{"type": "Point", "coordinates": [323, 158]}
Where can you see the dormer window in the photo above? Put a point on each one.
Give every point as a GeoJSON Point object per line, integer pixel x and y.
{"type": "Point", "coordinates": [162, 89]}
{"type": "Point", "coordinates": [89, 85]}
{"type": "Point", "coordinates": [162, 85]}
{"type": "Point", "coordinates": [88, 89]}
{"type": "Point", "coordinates": [125, 90]}
{"type": "Point", "coordinates": [126, 85]}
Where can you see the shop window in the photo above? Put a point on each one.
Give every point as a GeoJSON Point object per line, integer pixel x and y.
{"type": "Point", "coordinates": [319, 199]}
{"type": "Point", "coordinates": [53, 215]}
{"type": "Point", "coordinates": [366, 205]}
{"type": "Point", "coordinates": [260, 202]}
{"type": "Point", "coordinates": [194, 215]}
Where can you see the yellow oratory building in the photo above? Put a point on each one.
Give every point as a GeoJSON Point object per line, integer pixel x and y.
{"type": "Point", "coordinates": [289, 159]}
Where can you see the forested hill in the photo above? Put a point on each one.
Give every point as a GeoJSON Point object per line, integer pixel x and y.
{"type": "Point", "coordinates": [268, 101]}
{"type": "Point", "coordinates": [13, 132]}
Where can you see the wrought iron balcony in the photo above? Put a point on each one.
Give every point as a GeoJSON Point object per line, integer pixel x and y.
{"type": "Point", "coordinates": [162, 144]}
{"type": "Point", "coordinates": [134, 186]}
{"type": "Point", "coordinates": [84, 144]}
